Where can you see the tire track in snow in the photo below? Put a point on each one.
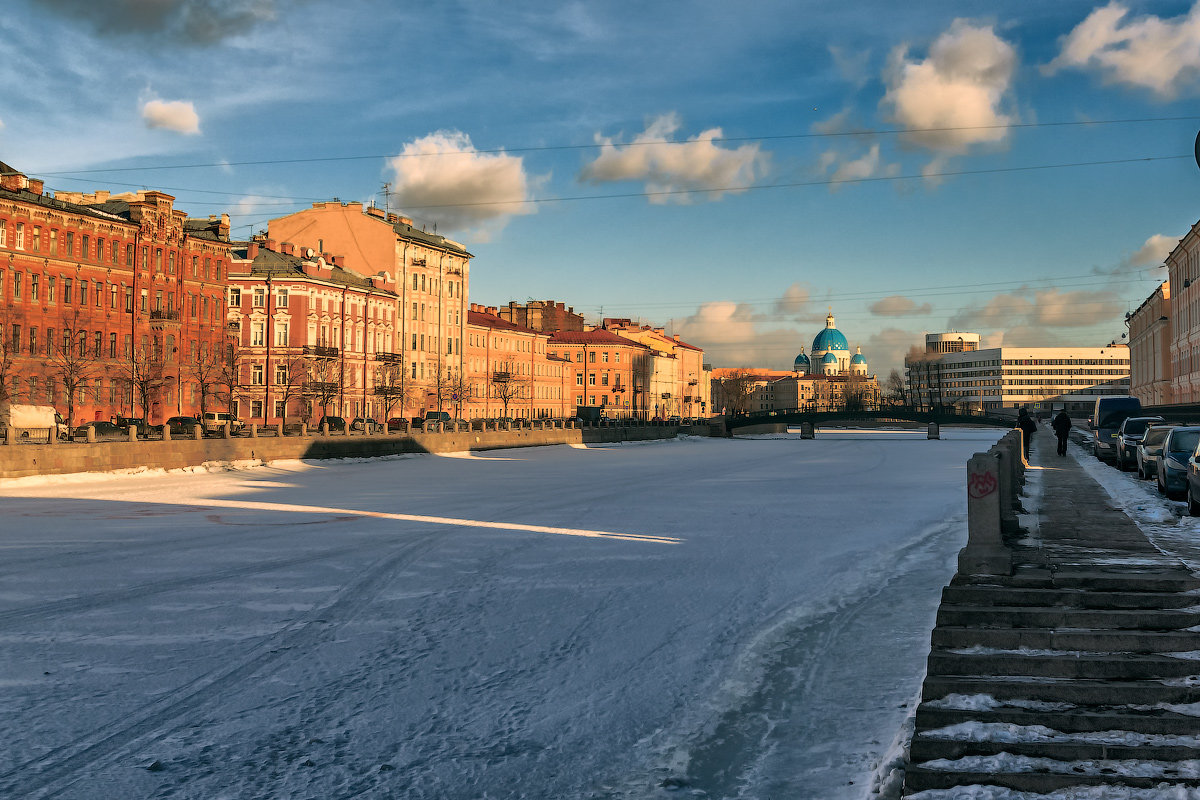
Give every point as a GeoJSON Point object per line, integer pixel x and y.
{"type": "Point", "coordinates": [60, 767]}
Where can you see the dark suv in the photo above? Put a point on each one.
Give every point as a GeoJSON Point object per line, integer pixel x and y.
{"type": "Point", "coordinates": [334, 423]}
{"type": "Point", "coordinates": [1128, 436]}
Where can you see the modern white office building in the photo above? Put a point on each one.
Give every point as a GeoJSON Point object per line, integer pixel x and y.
{"type": "Point", "coordinates": [1038, 378]}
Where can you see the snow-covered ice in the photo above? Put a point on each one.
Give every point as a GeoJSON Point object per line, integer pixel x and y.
{"type": "Point", "coordinates": [702, 617]}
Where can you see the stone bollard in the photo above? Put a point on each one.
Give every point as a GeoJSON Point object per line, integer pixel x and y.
{"type": "Point", "coordinates": [10, 434]}
{"type": "Point", "coordinates": [197, 432]}
{"type": "Point", "coordinates": [440, 427]}
{"type": "Point", "coordinates": [324, 428]}
{"type": "Point", "coordinates": [279, 429]}
{"type": "Point", "coordinates": [934, 432]}
{"type": "Point", "coordinates": [304, 429]}
{"type": "Point", "coordinates": [91, 434]}
{"type": "Point", "coordinates": [807, 431]}
{"type": "Point", "coordinates": [133, 433]}
{"type": "Point", "coordinates": [1008, 489]}
{"type": "Point", "coordinates": [253, 430]}
{"type": "Point", "coordinates": [985, 553]}
{"type": "Point", "coordinates": [226, 431]}
{"type": "Point", "coordinates": [166, 433]}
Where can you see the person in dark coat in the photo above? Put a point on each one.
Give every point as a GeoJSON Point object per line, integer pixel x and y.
{"type": "Point", "coordinates": [1062, 427]}
{"type": "Point", "coordinates": [1028, 428]}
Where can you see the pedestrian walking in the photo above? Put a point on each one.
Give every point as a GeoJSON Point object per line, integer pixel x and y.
{"type": "Point", "coordinates": [1028, 428]}
{"type": "Point", "coordinates": [1062, 427]}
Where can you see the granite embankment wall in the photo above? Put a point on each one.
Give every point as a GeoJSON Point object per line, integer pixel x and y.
{"type": "Point", "coordinates": [21, 460]}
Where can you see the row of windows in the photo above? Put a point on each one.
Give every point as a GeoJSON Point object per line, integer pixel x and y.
{"type": "Point", "coordinates": [52, 289]}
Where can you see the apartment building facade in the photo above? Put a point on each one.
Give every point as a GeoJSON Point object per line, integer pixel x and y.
{"type": "Point", "coordinates": [107, 302]}
{"type": "Point", "coordinates": [1150, 339]}
{"type": "Point", "coordinates": [611, 372]}
{"type": "Point", "coordinates": [512, 372]}
{"type": "Point", "coordinates": [1038, 378]}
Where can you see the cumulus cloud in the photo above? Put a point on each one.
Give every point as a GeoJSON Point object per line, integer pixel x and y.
{"type": "Point", "coordinates": [682, 170]}
{"type": "Point", "coordinates": [186, 22]}
{"type": "Point", "coordinates": [899, 306]}
{"type": "Point", "coordinates": [172, 115]}
{"type": "Point", "coordinates": [886, 349]}
{"type": "Point", "coordinates": [1038, 310]}
{"type": "Point", "coordinates": [1154, 252]}
{"type": "Point", "coordinates": [959, 90]}
{"type": "Point", "coordinates": [731, 336]}
{"type": "Point", "coordinates": [1149, 52]}
{"type": "Point", "coordinates": [868, 165]}
{"type": "Point", "coordinates": [445, 177]}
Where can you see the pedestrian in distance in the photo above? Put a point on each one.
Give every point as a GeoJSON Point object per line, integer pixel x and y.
{"type": "Point", "coordinates": [1062, 427]}
{"type": "Point", "coordinates": [1028, 428]}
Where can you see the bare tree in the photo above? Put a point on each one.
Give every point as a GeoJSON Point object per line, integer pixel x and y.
{"type": "Point", "coordinates": [505, 387]}
{"type": "Point", "coordinates": [9, 350]}
{"type": "Point", "coordinates": [288, 381]}
{"type": "Point", "coordinates": [894, 390]}
{"type": "Point", "coordinates": [324, 379]}
{"type": "Point", "coordinates": [71, 362]}
{"type": "Point", "coordinates": [392, 384]}
{"type": "Point", "coordinates": [736, 388]}
{"type": "Point", "coordinates": [462, 390]}
{"type": "Point", "coordinates": [643, 373]}
{"type": "Point", "coordinates": [141, 371]}
{"type": "Point", "coordinates": [229, 372]}
{"type": "Point", "coordinates": [855, 393]}
{"type": "Point", "coordinates": [206, 366]}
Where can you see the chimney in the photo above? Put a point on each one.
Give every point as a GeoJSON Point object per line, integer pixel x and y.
{"type": "Point", "coordinates": [272, 245]}
{"type": "Point", "coordinates": [676, 337]}
{"type": "Point", "coordinates": [328, 258]}
{"type": "Point", "coordinates": [405, 221]}
{"type": "Point", "coordinates": [252, 251]}
{"type": "Point", "coordinates": [102, 196]}
{"type": "Point", "coordinates": [36, 186]}
{"type": "Point", "coordinates": [392, 219]}
{"type": "Point", "coordinates": [14, 182]}
{"type": "Point", "coordinates": [376, 212]}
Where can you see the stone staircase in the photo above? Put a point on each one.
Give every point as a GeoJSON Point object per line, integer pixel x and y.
{"type": "Point", "coordinates": [1080, 668]}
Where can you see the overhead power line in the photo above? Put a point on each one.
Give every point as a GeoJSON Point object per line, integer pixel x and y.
{"type": "Point", "coordinates": [636, 143]}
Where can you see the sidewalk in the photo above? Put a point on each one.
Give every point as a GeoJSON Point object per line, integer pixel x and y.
{"type": "Point", "coordinates": [1079, 670]}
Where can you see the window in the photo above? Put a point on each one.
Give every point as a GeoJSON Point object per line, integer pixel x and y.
{"type": "Point", "coordinates": [158, 259]}
{"type": "Point", "coordinates": [15, 341]}
{"type": "Point", "coordinates": [158, 297]}
{"type": "Point", "coordinates": [281, 374]}
{"type": "Point", "coordinates": [32, 340]}
{"type": "Point", "coordinates": [85, 241]}
{"type": "Point", "coordinates": [592, 357]}
{"type": "Point", "coordinates": [281, 298]}
{"type": "Point", "coordinates": [281, 334]}
{"type": "Point", "coordinates": [51, 289]}
{"type": "Point", "coordinates": [68, 289]}
{"type": "Point", "coordinates": [129, 255]}
{"type": "Point", "coordinates": [53, 242]}
{"type": "Point", "coordinates": [3, 233]}
{"type": "Point", "coordinates": [579, 379]}
{"type": "Point", "coordinates": [37, 240]}
{"type": "Point", "coordinates": [19, 238]}
{"type": "Point", "coordinates": [256, 334]}
{"type": "Point", "coordinates": [171, 262]}
{"type": "Point", "coordinates": [99, 249]}
{"type": "Point", "coordinates": [18, 282]}
{"type": "Point", "coordinates": [83, 289]}
{"type": "Point", "coordinates": [235, 297]}
{"type": "Point", "coordinates": [145, 300]}
{"type": "Point", "coordinates": [98, 342]}
{"type": "Point", "coordinates": [33, 286]}
{"type": "Point", "coordinates": [259, 296]}
{"type": "Point", "coordinates": [604, 357]}
{"type": "Point", "coordinates": [115, 252]}
{"type": "Point", "coordinates": [195, 266]}
{"type": "Point", "coordinates": [256, 374]}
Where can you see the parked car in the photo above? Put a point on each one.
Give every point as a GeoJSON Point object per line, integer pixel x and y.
{"type": "Point", "coordinates": [396, 424]}
{"type": "Point", "coordinates": [139, 424]}
{"type": "Point", "coordinates": [214, 422]}
{"type": "Point", "coordinates": [437, 416]}
{"type": "Point", "coordinates": [104, 429]}
{"type": "Point", "coordinates": [368, 424]}
{"type": "Point", "coordinates": [182, 426]}
{"type": "Point", "coordinates": [1175, 460]}
{"type": "Point", "coordinates": [416, 422]}
{"type": "Point", "coordinates": [1149, 448]}
{"type": "Point", "coordinates": [1128, 435]}
{"type": "Point", "coordinates": [334, 423]}
{"type": "Point", "coordinates": [1107, 417]}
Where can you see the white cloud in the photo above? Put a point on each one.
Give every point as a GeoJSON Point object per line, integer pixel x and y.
{"type": "Point", "coordinates": [1154, 252]}
{"type": "Point", "coordinates": [852, 65]}
{"type": "Point", "coordinates": [1021, 315]}
{"type": "Point", "coordinates": [959, 90]}
{"type": "Point", "coordinates": [172, 115]}
{"type": "Point", "coordinates": [899, 306]}
{"type": "Point", "coordinates": [443, 177]}
{"type": "Point", "coordinates": [730, 336]}
{"type": "Point", "coordinates": [685, 167]}
{"type": "Point", "coordinates": [1162, 55]}
{"type": "Point", "coordinates": [866, 166]}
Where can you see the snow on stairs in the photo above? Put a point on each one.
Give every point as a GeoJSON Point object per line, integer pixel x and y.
{"type": "Point", "coordinates": [1079, 675]}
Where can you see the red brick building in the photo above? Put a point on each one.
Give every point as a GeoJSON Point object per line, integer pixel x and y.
{"type": "Point", "coordinates": [107, 302]}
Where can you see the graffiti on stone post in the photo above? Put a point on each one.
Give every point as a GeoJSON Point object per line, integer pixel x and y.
{"type": "Point", "coordinates": [981, 484]}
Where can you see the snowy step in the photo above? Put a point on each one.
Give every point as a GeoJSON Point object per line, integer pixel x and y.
{"type": "Point", "coordinates": [1060, 664]}
{"type": "Point", "coordinates": [920, 777]}
{"type": "Point", "coordinates": [1062, 717]}
{"type": "Point", "coordinates": [1113, 641]}
{"type": "Point", "coordinates": [1112, 693]}
{"type": "Point", "coordinates": [1125, 581]}
{"type": "Point", "coordinates": [1068, 598]}
{"type": "Point", "coordinates": [1059, 617]}
{"type": "Point", "coordinates": [930, 747]}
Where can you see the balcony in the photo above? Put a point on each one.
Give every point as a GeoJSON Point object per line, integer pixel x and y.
{"type": "Point", "coordinates": [320, 387]}
{"type": "Point", "coordinates": [164, 318]}
{"type": "Point", "coordinates": [234, 327]}
{"type": "Point", "coordinates": [502, 377]}
{"type": "Point", "coordinates": [418, 262]}
{"type": "Point", "coordinates": [320, 351]}
{"type": "Point", "coordinates": [390, 358]}
{"type": "Point", "coordinates": [666, 395]}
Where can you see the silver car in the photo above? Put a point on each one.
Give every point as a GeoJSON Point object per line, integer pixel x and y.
{"type": "Point", "coordinates": [1149, 448]}
{"type": "Point", "coordinates": [1128, 436]}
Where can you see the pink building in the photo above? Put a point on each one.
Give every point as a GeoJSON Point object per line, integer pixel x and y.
{"type": "Point", "coordinates": [310, 338]}
{"type": "Point", "coordinates": [512, 373]}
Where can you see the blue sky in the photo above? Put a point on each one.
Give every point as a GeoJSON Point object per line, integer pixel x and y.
{"type": "Point", "coordinates": [729, 171]}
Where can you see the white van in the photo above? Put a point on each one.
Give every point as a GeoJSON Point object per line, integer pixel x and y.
{"type": "Point", "coordinates": [215, 421]}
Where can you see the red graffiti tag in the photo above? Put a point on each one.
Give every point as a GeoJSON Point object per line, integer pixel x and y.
{"type": "Point", "coordinates": [981, 484]}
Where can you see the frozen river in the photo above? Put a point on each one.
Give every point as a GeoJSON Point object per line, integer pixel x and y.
{"type": "Point", "coordinates": [706, 618]}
